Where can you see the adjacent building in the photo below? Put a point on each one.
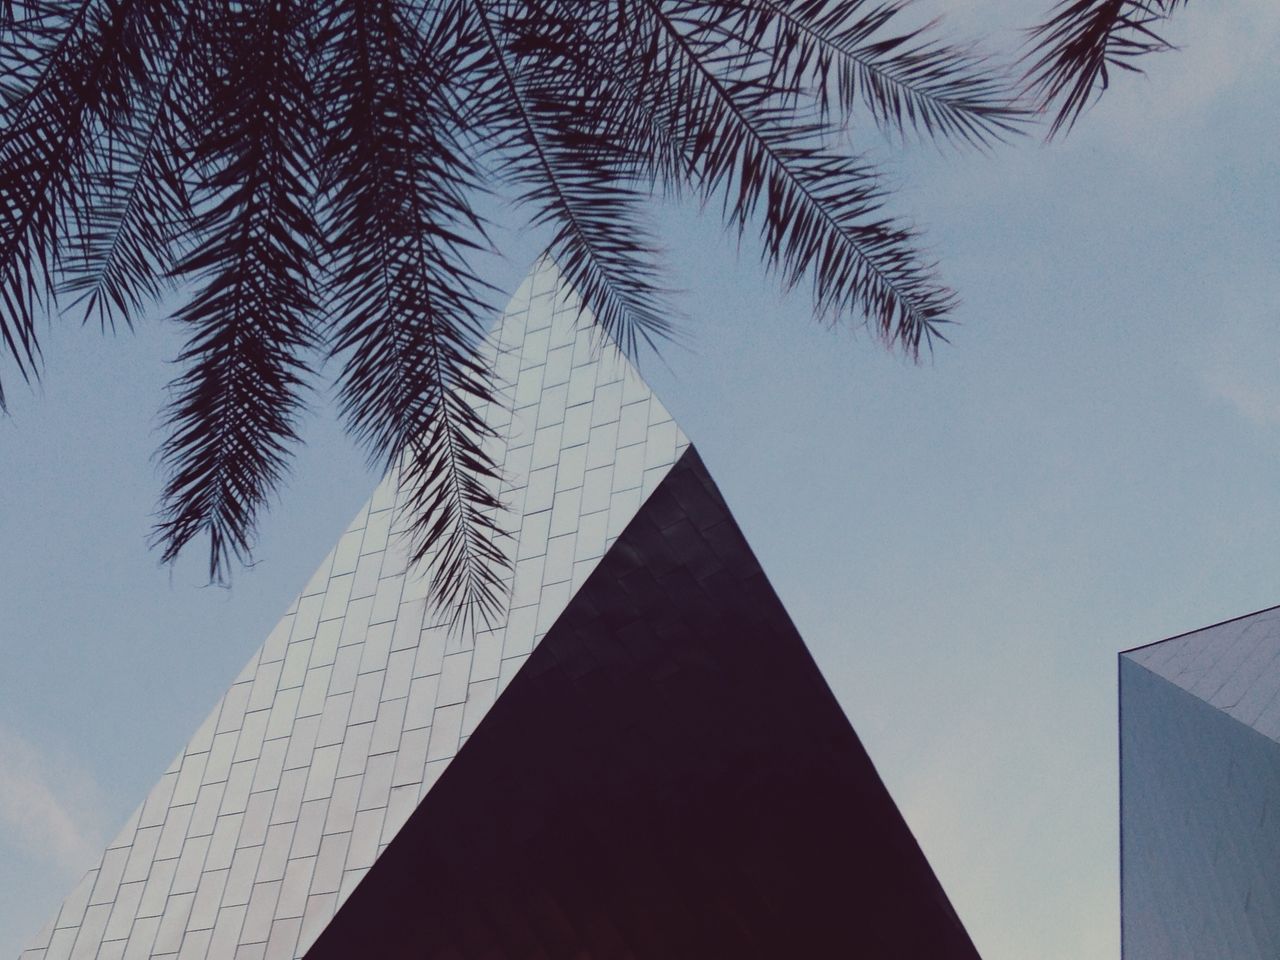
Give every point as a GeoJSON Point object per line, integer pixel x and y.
{"type": "Point", "coordinates": [1200, 794]}
{"type": "Point", "coordinates": [641, 761]}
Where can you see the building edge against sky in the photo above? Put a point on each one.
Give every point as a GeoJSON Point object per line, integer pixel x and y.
{"type": "Point", "coordinates": [1200, 793]}
{"type": "Point", "coordinates": [340, 733]}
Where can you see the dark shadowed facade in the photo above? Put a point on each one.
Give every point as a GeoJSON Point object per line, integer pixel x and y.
{"type": "Point", "coordinates": [668, 776]}
{"type": "Point", "coordinates": [641, 761]}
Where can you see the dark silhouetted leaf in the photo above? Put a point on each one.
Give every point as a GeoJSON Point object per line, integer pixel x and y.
{"type": "Point", "coordinates": [307, 173]}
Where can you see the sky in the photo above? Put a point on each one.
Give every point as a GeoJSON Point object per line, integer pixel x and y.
{"type": "Point", "coordinates": [1092, 463]}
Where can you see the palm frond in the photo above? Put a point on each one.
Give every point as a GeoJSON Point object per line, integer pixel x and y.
{"type": "Point", "coordinates": [70, 97]}
{"type": "Point", "coordinates": [277, 155]}
{"type": "Point", "coordinates": [906, 80]}
{"type": "Point", "coordinates": [406, 308]}
{"type": "Point", "coordinates": [31, 32]}
{"type": "Point", "coordinates": [820, 212]}
{"type": "Point", "coordinates": [558, 141]}
{"type": "Point", "coordinates": [599, 77]}
{"type": "Point", "coordinates": [138, 212]}
{"type": "Point", "coordinates": [1073, 50]}
{"type": "Point", "coordinates": [235, 409]}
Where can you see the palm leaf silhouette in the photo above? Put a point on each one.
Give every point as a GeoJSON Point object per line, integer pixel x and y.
{"type": "Point", "coordinates": [306, 172]}
{"type": "Point", "coordinates": [1075, 49]}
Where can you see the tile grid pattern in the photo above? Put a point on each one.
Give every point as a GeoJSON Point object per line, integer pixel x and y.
{"type": "Point", "coordinates": [1234, 666]}
{"type": "Point", "coordinates": [669, 777]}
{"type": "Point", "coordinates": [1200, 826]}
{"type": "Point", "coordinates": [359, 699]}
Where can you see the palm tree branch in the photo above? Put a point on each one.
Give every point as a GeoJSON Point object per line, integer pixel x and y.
{"type": "Point", "coordinates": [409, 381]}
{"type": "Point", "coordinates": [897, 294]}
{"type": "Point", "coordinates": [136, 228]}
{"type": "Point", "coordinates": [598, 244]}
{"type": "Point", "coordinates": [234, 413]}
{"type": "Point", "coordinates": [1072, 50]}
{"type": "Point", "coordinates": [905, 81]}
{"type": "Point", "coordinates": [45, 159]}
{"type": "Point", "coordinates": [460, 462]}
{"type": "Point", "coordinates": [53, 58]}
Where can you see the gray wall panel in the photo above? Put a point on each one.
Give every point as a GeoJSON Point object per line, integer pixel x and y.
{"type": "Point", "coordinates": [360, 697]}
{"type": "Point", "coordinates": [1200, 826]}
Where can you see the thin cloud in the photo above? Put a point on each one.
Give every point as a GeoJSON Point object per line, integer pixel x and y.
{"type": "Point", "coordinates": [1218, 48]}
{"type": "Point", "coordinates": [48, 807]}
{"type": "Point", "coordinates": [1258, 403]}
{"type": "Point", "coordinates": [1239, 369]}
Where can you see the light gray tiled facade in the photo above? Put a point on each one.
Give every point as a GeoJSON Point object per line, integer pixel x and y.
{"type": "Point", "coordinates": [360, 697]}
{"type": "Point", "coordinates": [1200, 794]}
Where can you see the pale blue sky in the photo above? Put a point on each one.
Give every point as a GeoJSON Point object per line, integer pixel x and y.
{"type": "Point", "coordinates": [1093, 463]}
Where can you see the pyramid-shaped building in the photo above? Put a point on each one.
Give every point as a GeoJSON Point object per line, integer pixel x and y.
{"type": "Point", "coordinates": [1200, 794]}
{"type": "Point", "coordinates": [642, 761]}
